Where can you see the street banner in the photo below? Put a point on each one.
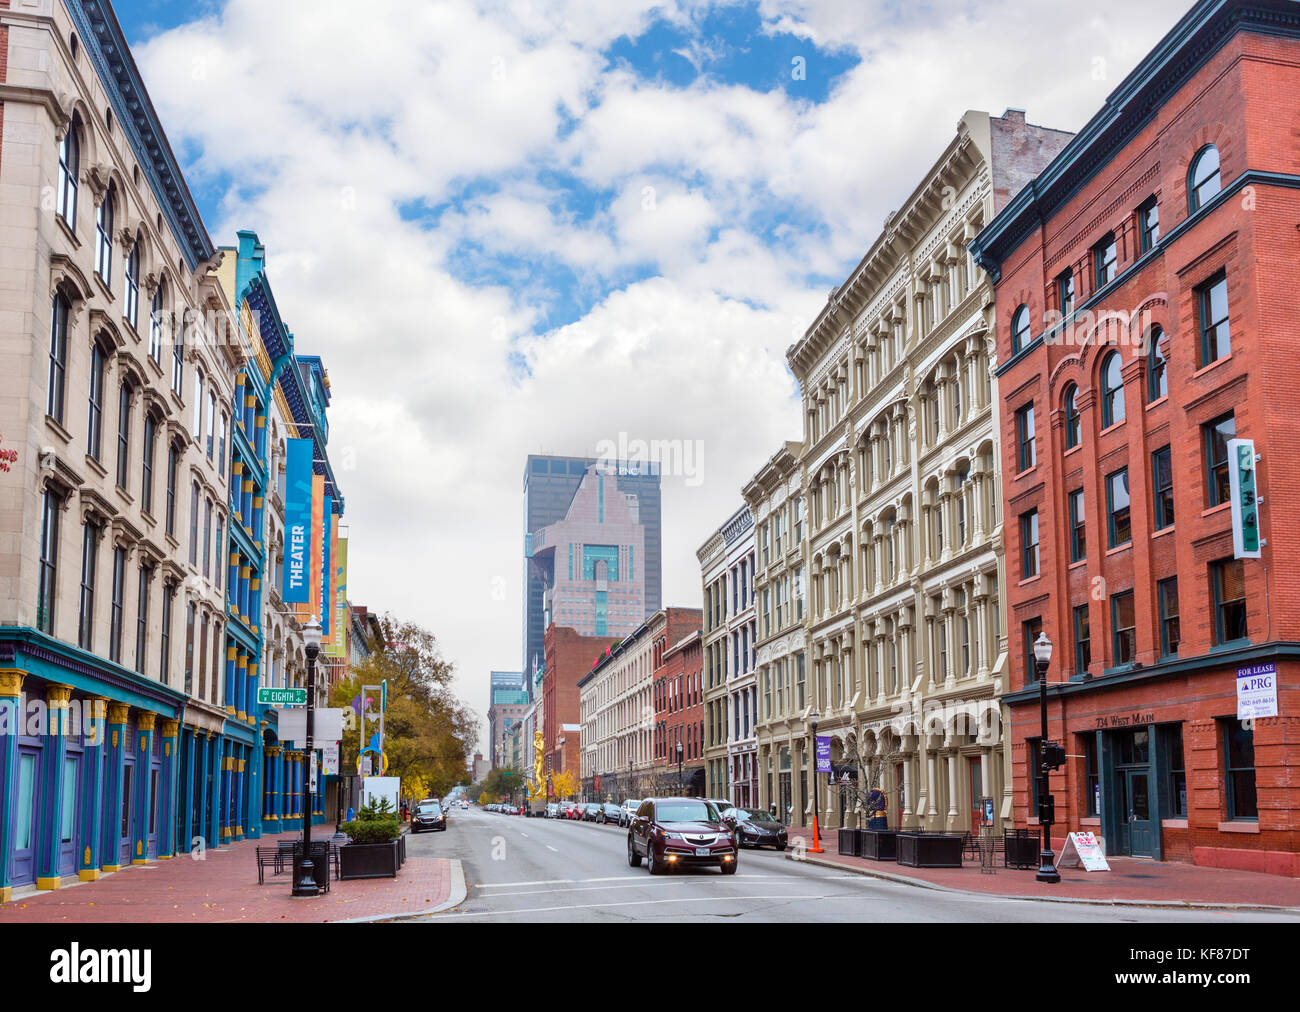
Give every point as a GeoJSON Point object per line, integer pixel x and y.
{"type": "Point", "coordinates": [317, 543]}
{"type": "Point", "coordinates": [823, 754]}
{"type": "Point", "coordinates": [330, 758]}
{"type": "Point", "coordinates": [297, 520]}
{"type": "Point", "coordinates": [326, 570]}
{"type": "Point", "coordinates": [338, 645]}
{"type": "Point", "coordinates": [1082, 849]}
{"type": "Point", "coordinates": [1257, 691]}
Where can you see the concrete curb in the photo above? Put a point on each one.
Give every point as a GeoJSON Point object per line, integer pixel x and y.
{"type": "Point", "coordinates": [457, 897]}
{"type": "Point", "coordinates": [1099, 902]}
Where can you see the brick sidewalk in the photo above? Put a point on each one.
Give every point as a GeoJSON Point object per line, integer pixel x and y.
{"type": "Point", "coordinates": [223, 888]}
{"type": "Point", "coordinates": [1130, 880]}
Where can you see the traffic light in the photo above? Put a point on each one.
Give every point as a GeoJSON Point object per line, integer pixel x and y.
{"type": "Point", "coordinates": [1053, 755]}
{"type": "Point", "coordinates": [1245, 502]}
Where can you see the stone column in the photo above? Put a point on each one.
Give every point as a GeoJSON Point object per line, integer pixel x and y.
{"type": "Point", "coordinates": [113, 773]}
{"type": "Point", "coordinates": [11, 694]}
{"type": "Point", "coordinates": [168, 789]}
{"type": "Point", "coordinates": [143, 743]}
{"type": "Point", "coordinates": [952, 788]}
{"type": "Point", "coordinates": [50, 806]}
{"type": "Point", "coordinates": [94, 713]}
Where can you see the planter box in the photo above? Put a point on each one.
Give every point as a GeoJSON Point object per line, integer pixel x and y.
{"type": "Point", "coordinates": [878, 844]}
{"type": "Point", "coordinates": [929, 850]}
{"type": "Point", "coordinates": [849, 843]}
{"type": "Point", "coordinates": [370, 860]}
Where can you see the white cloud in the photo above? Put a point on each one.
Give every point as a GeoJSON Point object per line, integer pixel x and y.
{"type": "Point", "coordinates": [328, 120]}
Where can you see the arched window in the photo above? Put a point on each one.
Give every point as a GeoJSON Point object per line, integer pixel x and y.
{"type": "Point", "coordinates": [1019, 329]}
{"type": "Point", "coordinates": [131, 304]}
{"type": "Point", "coordinates": [69, 167]}
{"type": "Point", "coordinates": [58, 358]}
{"type": "Point", "coordinates": [178, 355]}
{"type": "Point", "coordinates": [1071, 416]}
{"type": "Point", "coordinates": [156, 322]}
{"type": "Point", "coordinates": [1157, 366]}
{"type": "Point", "coordinates": [1203, 181]}
{"type": "Point", "coordinates": [1112, 391]}
{"type": "Point", "coordinates": [104, 237]}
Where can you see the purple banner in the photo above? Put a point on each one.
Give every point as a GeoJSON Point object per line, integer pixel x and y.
{"type": "Point", "coordinates": [823, 754]}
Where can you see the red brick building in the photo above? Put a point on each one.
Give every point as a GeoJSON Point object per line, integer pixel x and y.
{"type": "Point", "coordinates": [1174, 213]}
{"type": "Point", "coordinates": [569, 656]}
{"type": "Point", "coordinates": [679, 712]}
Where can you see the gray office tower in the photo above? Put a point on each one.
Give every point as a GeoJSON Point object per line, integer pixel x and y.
{"type": "Point", "coordinates": [550, 484]}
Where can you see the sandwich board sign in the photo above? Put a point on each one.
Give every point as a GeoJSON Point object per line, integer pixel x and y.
{"type": "Point", "coordinates": [1082, 849]}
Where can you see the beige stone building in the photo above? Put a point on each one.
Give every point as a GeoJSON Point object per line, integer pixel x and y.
{"type": "Point", "coordinates": [905, 652]}
{"type": "Point", "coordinates": [117, 362]}
{"type": "Point", "coordinates": [617, 715]}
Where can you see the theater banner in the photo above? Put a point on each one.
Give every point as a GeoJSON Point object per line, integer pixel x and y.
{"type": "Point", "coordinates": [298, 521]}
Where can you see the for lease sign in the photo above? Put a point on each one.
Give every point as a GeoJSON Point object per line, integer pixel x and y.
{"type": "Point", "coordinates": [1257, 691]}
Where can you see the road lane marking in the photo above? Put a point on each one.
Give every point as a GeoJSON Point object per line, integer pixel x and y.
{"type": "Point", "coordinates": [559, 881]}
{"type": "Point", "coordinates": [628, 903]}
{"type": "Point", "coordinates": [553, 849]}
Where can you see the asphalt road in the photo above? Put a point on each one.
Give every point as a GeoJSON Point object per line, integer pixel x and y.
{"type": "Point", "coordinates": [530, 870]}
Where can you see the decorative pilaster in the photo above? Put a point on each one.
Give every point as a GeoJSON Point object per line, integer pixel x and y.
{"type": "Point", "coordinates": [94, 715]}
{"type": "Point", "coordinates": [168, 788]}
{"type": "Point", "coordinates": [49, 818]}
{"type": "Point", "coordinates": [11, 693]}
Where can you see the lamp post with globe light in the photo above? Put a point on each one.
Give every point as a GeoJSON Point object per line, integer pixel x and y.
{"type": "Point", "coordinates": [305, 884]}
{"type": "Point", "coordinates": [1049, 757]}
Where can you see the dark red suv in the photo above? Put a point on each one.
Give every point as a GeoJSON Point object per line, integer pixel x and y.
{"type": "Point", "coordinates": [675, 832]}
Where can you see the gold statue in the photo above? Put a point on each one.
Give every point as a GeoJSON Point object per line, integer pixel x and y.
{"type": "Point", "coordinates": [539, 744]}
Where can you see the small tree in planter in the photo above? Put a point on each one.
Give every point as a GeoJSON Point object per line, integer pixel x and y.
{"type": "Point", "coordinates": [374, 834]}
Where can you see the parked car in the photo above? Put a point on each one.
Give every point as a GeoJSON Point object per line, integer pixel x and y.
{"type": "Point", "coordinates": [755, 827]}
{"type": "Point", "coordinates": [573, 811]}
{"type": "Point", "coordinates": [552, 811]}
{"type": "Point", "coordinates": [675, 832]}
{"type": "Point", "coordinates": [428, 815]}
{"type": "Point", "coordinates": [610, 812]}
{"type": "Point", "coordinates": [590, 812]}
{"type": "Point", "coordinates": [629, 810]}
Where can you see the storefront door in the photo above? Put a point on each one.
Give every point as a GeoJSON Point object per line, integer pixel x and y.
{"type": "Point", "coordinates": [1137, 795]}
{"type": "Point", "coordinates": [976, 792]}
{"type": "Point", "coordinates": [26, 821]}
{"type": "Point", "coordinates": [69, 835]}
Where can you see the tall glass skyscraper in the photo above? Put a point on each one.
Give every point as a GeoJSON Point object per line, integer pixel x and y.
{"type": "Point", "coordinates": [551, 485]}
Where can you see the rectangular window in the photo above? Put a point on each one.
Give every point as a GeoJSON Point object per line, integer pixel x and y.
{"type": "Point", "coordinates": [1065, 293]}
{"type": "Point", "coordinates": [1028, 455]}
{"type": "Point", "coordinates": [116, 619]}
{"type": "Point", "coordinates": [1082, 640]}
{"type": "Point", "coordinates": [1092, 781]}
{"type": "Point", "coordinates": [95, 423]}
{"type": "Point", "coordinates": [142, 618]}
{"type": "Point", "coordinates": [1124, 623]}
{"type": "Point", "coordinates": [146, 481]}
{"type": "Point", "coordinates": [1218, 488]}
{"type": "Point", "coordinates": [1167, 598]}
{"type": "Point", "coordinates": [124, 436]}
{"type": "Point", "coordinates": [1177, 772]}
{"type": "Point", "coordinates": [1105, 258]}
{"type": "Point", "coordinates": [1239, 770]}
{"type": "Point", "coordinates": [219, 566]}
{"type": "Point", "coordinates": [1117, 506]}
{"type": "Point", "coordinates": [212, 423]}
{"type": "Point", "coordinates": [1212, 303]}
{"type": "Point", "coordinates": [1029, 544]}
{"type": "Point", "coordinates": [190, 613]}
{"type": "Point", "coordinates": [1029, 632]}
{"type": "Point", "coordinates": [1149, 224]}
{"type": "Point", "coordinates": [1228, 585]}
{"type": "Point", "coordinates": [49, 562]}
{"type": "Point", "coordinates": [207, 538]}
{"type": "Point", "coordinates": [1078, 530]}
{"type": "Point", "coordinates": [194, 524]}
{"type": "Point", "coordinates": [799, 680]}
{"type": "Point", "coordinates": [58, 359]}
{"type": "Point", "coordinates": [89, 559]}
{"type": "Point", "coordinates": [164, 657]}
{"type": "Point", "coordinates": [1162, 487]}
{"type": "Point", "coordinates": [172, 461]}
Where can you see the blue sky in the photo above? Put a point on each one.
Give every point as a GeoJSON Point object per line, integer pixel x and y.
{"type": "Point", "coordinates": [521, 226]}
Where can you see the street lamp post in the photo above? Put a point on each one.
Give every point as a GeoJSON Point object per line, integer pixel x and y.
{"type": "Point", "coordinates": [680, 786]}
{"type": "Point", "coordinates": [1046, 867]}
{"type": "Point", "coordinates": [816, 848]}
{"type": "Point", "coordinates": [306, 882]}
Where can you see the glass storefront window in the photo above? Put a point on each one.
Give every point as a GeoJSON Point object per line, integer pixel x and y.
{"type": "Point", "coordinates": [26, 797]}
{"type": "Point", "coordinates": [68, 810]}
